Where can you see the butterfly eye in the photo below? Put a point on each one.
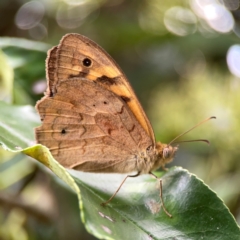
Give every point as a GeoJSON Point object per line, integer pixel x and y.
{"type": "Point", "coordinates": [166, 153]}
{"type": "Point", "coordinates": [87, 62]}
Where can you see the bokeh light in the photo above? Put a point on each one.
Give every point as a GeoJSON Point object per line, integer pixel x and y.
{"type": "Point", "coordinates": [180, 21]}
{"type": "Point", "coordinates": [233, 60]}
{"type": "Point", "coordinates": [71, 16]}
{"type": "Point", "coordinates": [29, 15]}
{"type": "Point", "coordinates": [38, 32]}
{"type": "Point", "coordinates": [215, 14]}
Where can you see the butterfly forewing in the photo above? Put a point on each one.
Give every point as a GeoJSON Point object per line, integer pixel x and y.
{"type": "Point", "coordinates": [72, 51]}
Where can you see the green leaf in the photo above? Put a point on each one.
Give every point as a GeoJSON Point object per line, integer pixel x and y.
{"type": "Point", "coordinates": [135, 212]}
{"type": "Point", "coordinates": [22, 51]}
{"type": "Point", "coordinates": [16, 126]}
{"type": "Point", "coordinates": [27, 58]}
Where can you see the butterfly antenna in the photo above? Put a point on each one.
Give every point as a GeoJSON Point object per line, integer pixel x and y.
{"type": "Point", "coordinates": [191, 130]}
{"type": "Point", "coordinates": [195, 140]}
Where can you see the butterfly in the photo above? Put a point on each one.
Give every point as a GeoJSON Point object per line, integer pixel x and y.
{"type": "Point", "coordinates": [91, 118]}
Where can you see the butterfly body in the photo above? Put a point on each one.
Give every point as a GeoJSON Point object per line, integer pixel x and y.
{"type": "Point", "coordinates": [92, 119]}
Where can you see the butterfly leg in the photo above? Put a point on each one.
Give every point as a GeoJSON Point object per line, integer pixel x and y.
{"type": "Point", "coordinates": [161, 195]}
{"type": "Point", "coordinates": [164, 168]}
{"type": "Point", "coordinates": [110, 199]}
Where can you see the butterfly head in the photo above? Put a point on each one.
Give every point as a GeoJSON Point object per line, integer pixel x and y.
{"type": "Point", "coordinates": [165, 154]}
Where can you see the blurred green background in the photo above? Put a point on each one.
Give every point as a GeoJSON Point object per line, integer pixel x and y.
{"type": "Point", "coordinates": [183, 61]}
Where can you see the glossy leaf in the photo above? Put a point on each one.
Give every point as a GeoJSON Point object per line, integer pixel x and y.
{"type": "Point", "coordinates": [135, 212]}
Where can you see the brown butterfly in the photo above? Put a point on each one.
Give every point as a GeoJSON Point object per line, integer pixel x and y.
{"type": "Point", "coordinates": [92, 119]}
